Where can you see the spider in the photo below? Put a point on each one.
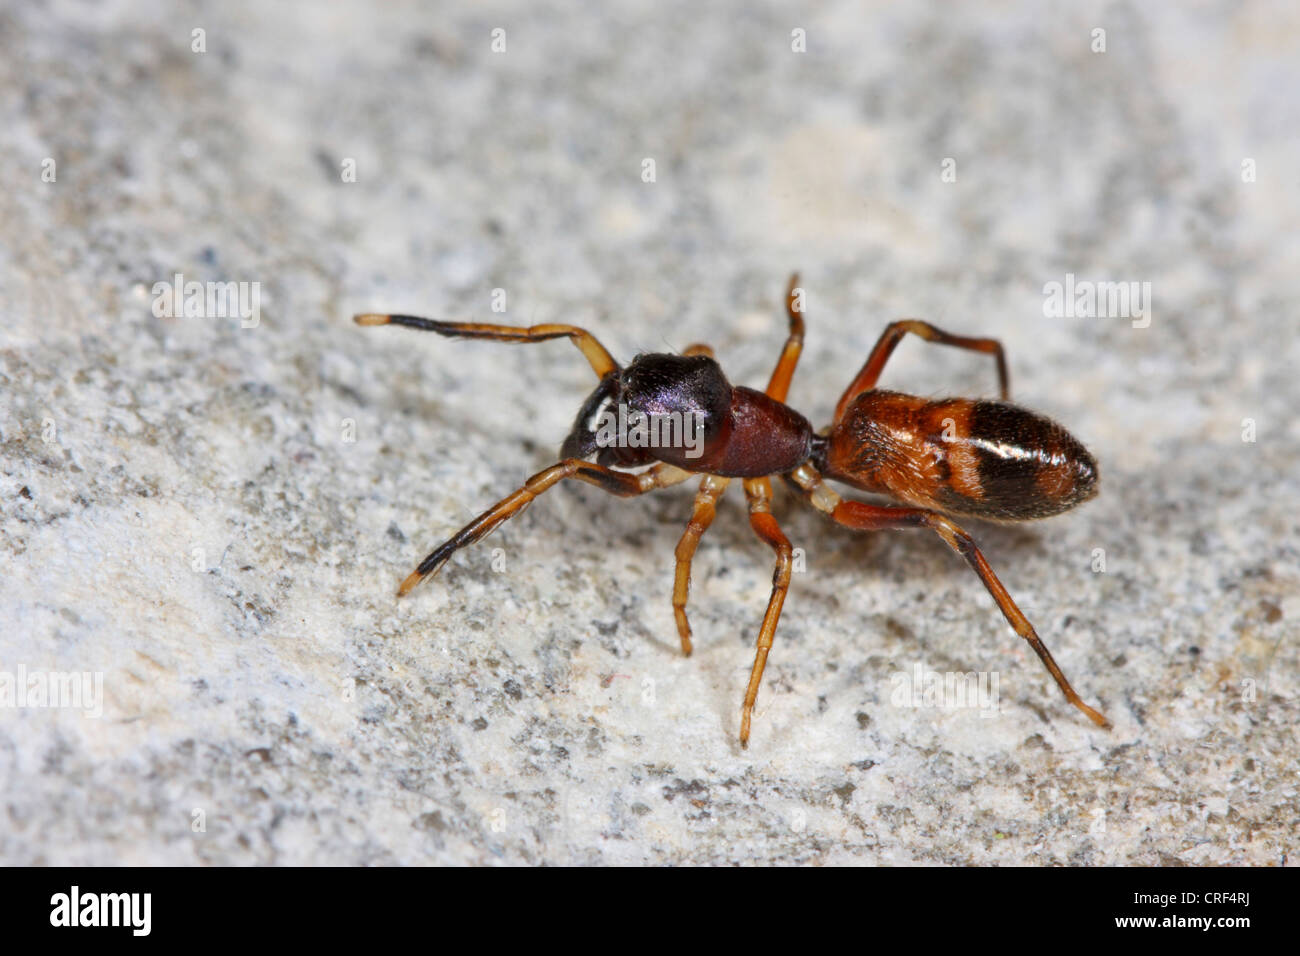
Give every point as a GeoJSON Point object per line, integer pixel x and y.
{"type": "Point", "coordinates": [954, 456]}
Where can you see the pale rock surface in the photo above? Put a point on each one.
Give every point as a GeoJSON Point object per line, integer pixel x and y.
{"type": "Point", "coordinates": [214, 518]}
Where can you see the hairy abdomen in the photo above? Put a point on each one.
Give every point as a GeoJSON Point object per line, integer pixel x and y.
{"type": "Point", "coordinates": [981, 458]}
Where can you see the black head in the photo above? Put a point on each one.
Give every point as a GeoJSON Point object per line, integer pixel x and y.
{"type": "Point", "coordinates": [690, 388]}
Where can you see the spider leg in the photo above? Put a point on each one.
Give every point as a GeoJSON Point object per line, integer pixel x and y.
{"type": "Point", "coordinates": [702, 514]}
{"type": "Point", "coordinates": [865, 517]}
{"type": "Point", "coordinates": [893, 334]}
{"type": "Point", "coordinates": [758, 491]}
{"type": "Point", "coordinates": [779, 385]}
{"type": "Point", "coordinates": [602, 363]}
{"type": "Point", "coordinates": [621, 483]}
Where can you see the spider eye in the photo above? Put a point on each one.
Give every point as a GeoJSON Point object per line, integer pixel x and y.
{"type": "Point", "coordinates": [581, 442]}
{"type": "Point", "coordinates": [597, 413]}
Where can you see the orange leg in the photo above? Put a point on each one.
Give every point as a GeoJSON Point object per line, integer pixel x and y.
{"type": "Point", "coordinates": [864, 517]}
{"type": "Point", "coordinates": [602, 363]}
{"type": "Point", "coordinates": [621, 483]}
{"type": "Point", "coordinates": [889, 339]}
{"type": "Point", "coordinates": [779, 385]}
{"type": "Point", "coordinates": [702, 514]}
{"type": "Point", "coordinates": [706, 499]}
{"type": "Point", "coordinates": [758, 491]}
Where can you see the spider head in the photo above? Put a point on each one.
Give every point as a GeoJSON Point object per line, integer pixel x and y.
{"type": "Point", "coordinates": [659, 408]}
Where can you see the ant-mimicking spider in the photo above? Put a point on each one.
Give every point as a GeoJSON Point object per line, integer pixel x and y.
{"type": "Point", "coordinates": [953, 456]}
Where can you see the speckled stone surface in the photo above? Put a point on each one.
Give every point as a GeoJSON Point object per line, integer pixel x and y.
{"type": "Point", "coordinates": [212, 514]}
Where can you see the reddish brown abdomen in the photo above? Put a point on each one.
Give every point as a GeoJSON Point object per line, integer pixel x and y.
{"type": "Point", "coordinates": [982, 458]}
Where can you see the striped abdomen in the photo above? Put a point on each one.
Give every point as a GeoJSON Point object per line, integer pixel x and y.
{"type": "Point", "coordinates": [982, 458]}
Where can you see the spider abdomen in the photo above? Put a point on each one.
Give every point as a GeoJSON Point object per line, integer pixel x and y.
{"type": "Point", "coordinates": [987, 459]}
